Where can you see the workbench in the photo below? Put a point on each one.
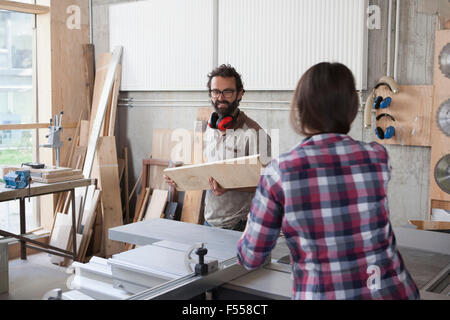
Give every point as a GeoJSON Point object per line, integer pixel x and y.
{"type": "Point", "coordinates": [162, 267]}
{"type": "Point", "coordinates": [426, 255]}
{"type": "Point", "coordinates": [40, 189]}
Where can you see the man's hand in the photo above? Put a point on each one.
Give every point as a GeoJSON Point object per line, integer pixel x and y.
{"type": "Point", "coordinates": [169, 181]}
{"type": "Point", "coordinates": [216, 188]}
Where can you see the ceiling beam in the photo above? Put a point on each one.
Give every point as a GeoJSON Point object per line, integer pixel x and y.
{"type": "Point", "coordinates": [23, 7]}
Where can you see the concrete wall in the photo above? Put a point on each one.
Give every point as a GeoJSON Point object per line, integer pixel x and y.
{"type": "Point", "coordinates": [409, 187]}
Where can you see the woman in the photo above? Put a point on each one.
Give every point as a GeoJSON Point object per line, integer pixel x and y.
{"type": "Point", "coordinates": [328, 195]}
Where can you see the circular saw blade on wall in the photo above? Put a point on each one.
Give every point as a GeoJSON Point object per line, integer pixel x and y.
{"type": "Point", "coordinates": [442, 173]}
{"type": "Point", "coordinates": [443, 117]}
{"type": "Point", "coordinates": [444, 60]}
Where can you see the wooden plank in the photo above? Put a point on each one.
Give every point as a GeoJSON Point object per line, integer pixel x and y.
{"type": "Point", "coordinates": [100, 101]}
{"type": "Point", "coordinates": [430, 225]}
{"type": "Point", "coordinates": [193, 207]}
{"type": "Point", "coordinates": [121, 164]}
{"type": "Point", "coordinates": [437, 204]}
{"type": "Point", "coordinates": [23, 7]}
{"type": "Point", "coordinates": [84, 133]}
{"type": "Point", "coordinates": [144, 205]}
{"type": "Point", "coordinates": [232, 173]}
{"type": "Point", "coordinates": [74, 141]}
{"type": "Point", "coordinates": [157, 204]}
{"type": "Point", "coordinates": [411, 109]}
{"type": "Point", "coordinates": [110, 186]}
{"type": "Point", "coordinates": [61, 234]}
{"type": "Point", "coordinates": [59, 179]}
{"type": "Point", "coordinates": [60, 174]}
{"type": "Point", "coordinates": [89, 216]}
{"type": "Point", "coordinates": [115, 100]}
{"type": "Point", "coordinates": [140, 214]}
{"type": "Point", "coordinates": [29, 126]}
{"type": "Point", "coordinates": [100, 76]}
{"type": "Point", "coordinates": [89, 74]}
{"type": "Point", "coordinates": [127, 200]}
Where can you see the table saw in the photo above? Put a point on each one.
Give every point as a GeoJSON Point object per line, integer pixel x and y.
{"type": "Point", "coordinates": [162, 266]}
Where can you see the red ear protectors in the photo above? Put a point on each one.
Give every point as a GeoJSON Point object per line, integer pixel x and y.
{"type": "Point", "coordinates": [221, 123]}
{"type": "Point", "coordinates": [390, 131]}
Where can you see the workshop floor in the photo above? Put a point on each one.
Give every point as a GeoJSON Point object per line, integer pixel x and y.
{"type": "Point", "coordinates": [31, 279]}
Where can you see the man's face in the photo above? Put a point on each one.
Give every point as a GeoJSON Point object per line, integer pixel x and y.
{"type": "Point", "coordinates": [227, 100]}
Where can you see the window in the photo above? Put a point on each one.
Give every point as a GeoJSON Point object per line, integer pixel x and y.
{"type": "Point", "coordinates": [16, 105]}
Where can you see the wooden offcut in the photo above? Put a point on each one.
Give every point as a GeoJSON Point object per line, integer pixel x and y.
{"type": "Point", "coordinates": [234, 173]}
{"type": "Point", "coordinates": [157, 204]}
{"type": "Point", "coordinates": [111, 203]}
{"type": "Point", "coordinates": [430, 225]}
{"type": "Point", "coordinates": [88, 223]}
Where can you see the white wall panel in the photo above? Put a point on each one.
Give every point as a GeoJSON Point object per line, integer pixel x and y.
{"type": "Point", "coordinates": [273, 42]}
{"type": "Point", "coordinates": [167, 43]}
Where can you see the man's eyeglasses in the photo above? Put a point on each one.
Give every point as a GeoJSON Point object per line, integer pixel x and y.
{"type": "Point", "coordinates": [227, 93]}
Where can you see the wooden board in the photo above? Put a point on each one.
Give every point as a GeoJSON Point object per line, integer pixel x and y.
{"type": "Point", "coordinates": [114, 101]}
{"type": "Point", "coordinates": [59, 179]}
{"type": "Point", "coordinates": [61, 234]}
{"type": "Point", "coordinates": [88, 220]}
{"type": "Point", "coordinates": [233, 173]}
{"type": "Point", "coordinates": [142, 211]}
{"type": "Point", "coordinates": [111, 203]}
{"type": "Point", "coordinates": [157, 204]}
{"type": "Point", "coordinates": [411, 109]}
{"type": "Point", "coordinates": [100, 77]}
{"type": "Point", "coordinates": [84, 133]}
{"type": "Point", "coordinates": [193, 207]}
{"type": "Point", "coordinates": [430, 225]}
{"type": "Point", "coordinates": [58, 174]}
{"type": "Point", "coordinates": [89, 74]}
{"type": "Point", "coordinates": [440, 143]}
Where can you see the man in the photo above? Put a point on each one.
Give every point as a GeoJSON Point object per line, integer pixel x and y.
{"type": "Point", "coordinates": [230, 134]}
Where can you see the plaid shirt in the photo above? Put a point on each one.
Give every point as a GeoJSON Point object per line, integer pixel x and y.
{"type": "Point", "coordinates": [329, 197]}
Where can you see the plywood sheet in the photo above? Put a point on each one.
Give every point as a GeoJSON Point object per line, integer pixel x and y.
{"type": "Point", "coordinates": [233, 173]}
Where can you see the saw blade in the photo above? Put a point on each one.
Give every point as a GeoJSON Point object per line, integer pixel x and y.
{"type": "Point", "coordinates": [443, 117]}
{"type": "Point", "coordinates": [444, 60]}
{"type": "Point", "coordinates": [442, 173]}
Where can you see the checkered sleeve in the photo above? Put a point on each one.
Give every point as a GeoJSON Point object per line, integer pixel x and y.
{"type": "Point", "coordinates": [264, 223]}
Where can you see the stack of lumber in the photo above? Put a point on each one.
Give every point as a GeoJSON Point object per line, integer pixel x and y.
{"type": "Point", "coordinates": [54, 174]}
{"type": "Point", "coordinates": [94, 155]}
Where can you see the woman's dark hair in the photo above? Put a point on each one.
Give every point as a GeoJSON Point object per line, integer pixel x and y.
{"type": "Point", "coordinates": [226, 71]}
{"type": "Point", "coordinates": [325, 100]}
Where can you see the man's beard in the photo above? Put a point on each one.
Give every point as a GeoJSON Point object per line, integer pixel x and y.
{"type": "Point", "coordinates": [227, 111]}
